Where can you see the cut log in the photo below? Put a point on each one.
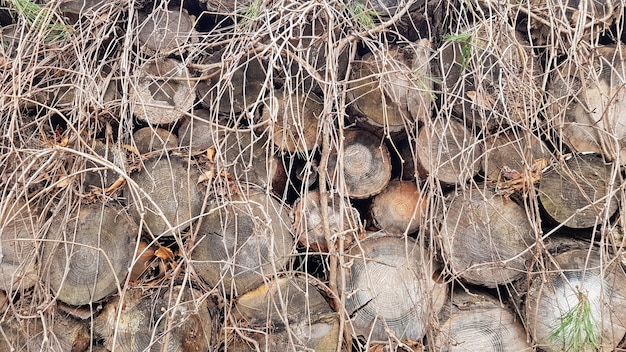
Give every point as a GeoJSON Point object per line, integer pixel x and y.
{"type": "Point", "coordinates": [492, 77]}
{"type": "Point", "coordinates": [240, 241]}
{"type": "Point", "coordinates": [588, 103]}
{"type": "Point", "coordinates": [344, 221]}
{"type": "Point", "coordinates": [19, 231]}
{"type": "Point", "coordinates": [476, 322]}
{"type": "Point", "coordinates": [392, 90]}
{"type": "Point", "coordinates": [390, 287]}
{"type": "Point", "coordinates": [198, 132]}
{"type": "Point", "coordinates": [62, 334]}
{"type": "Point", "coordinates": [163, 31]}
{"type": "Point", "coordinates": [365, 163]}
{"type": "Point", "coordinates": [400, 208]}
{"type": "Point", "coordinates": [167, 197]}
{"type": "Point", "coordinates": [178, 320]}
{"type": "Point", "coordinates": [163, 92]}
{"type": "Point", "coordinates": [86, 256]}
{"type": "Point", "coordinates": [512, 151]}
{"type": "Point", "coordinates": [294, 121]}
{"type": "Point", "coordinates": [578, 192]}
{"type": "Point", "coordinates": [287, 306]}
{"type": "Point", "coordinates": [485, 237]}
{"type": "Point", "coordinates": [448, 151]}
{"type": "Point", "coordinates": [578, 287]}
{"type": "Point", "coordinates": [150, 139]}
{"type": "Point", "coordinates": [102, 176]}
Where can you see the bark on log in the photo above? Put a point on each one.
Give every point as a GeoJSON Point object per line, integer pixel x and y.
{"type": "Point", "coordinates": [178, 320]}
{"type": "Point", "coordinates": [484, 237]}
{"type": "Point", "coordinates": [287, 306]}
{"type": "Point", "coordinates": [477, 322]}
{"type": "Point", "coordinates": [391, 90]}
{"type": "Point", "coordinates": [151, 139]}
{"type": "Point", "coordinates": [390, 287]}
{"type": "Point", "coordinates": [163, 31]}
{"type": "Point", "coordinates": [400, 208]}
{"type": "Point", "coordinates": [556, 298]}
{"type": "Point", "coordinates": [588, 103]}
{"type": "Point", "coordinates": [577, 193]}
{"type": "Point", "coordinates": [162, 93]}
{"type": "Point", "coordinates": [365, 163]}
{"type": "Point", "coordinates": [344, 221]}
{"type": "Point", "coordinates": [19, 231]}
{"type": "Point", "coordinates": [448, 151]}
{"type": "Point", "coordinates": [86, 256]}
{"type": "Point", "coordinates": [167, 192]}
{"type": "Point", "coordinates": [240, 241]}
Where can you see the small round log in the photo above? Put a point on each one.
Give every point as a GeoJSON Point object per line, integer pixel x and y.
{"type": "Point", "coordinates": [366, 164]}
{"type": "Point", "coordinates": [399, 209]}
{"type": "Point", "coordinates": [578, 287]}
{"type": "Point", "coordinates": [448, 151]}
{"type": "Point", "coordinates": [151, 139]}
{"type": "Point", "coordinates": [86, 256]}
{"type": "Point", "coordinates": [242, 240]}
{"type": "Point", "coordinates": [167, 197]}
{"type": "Point", "coordinates": [162, 93]}
{"type": "Point", "coordinates": [392, 89]}
{"type": "Point", "coordinates": [61, 334]}
{"type": "Point", "coordinates": [479, 322]}
{"type": "Point", "coordinates": [485, 237]}
{"type": "Point", "coordinates": [197, 132]}
{"type": "Point", "coordinates": [165, 31]}
{"type": "Point", "coordinates": [344, 221]}
{"type": "Point", "coordinates": [178, 320]}
{"type": "Point", "coordinates": [294, 121]}
{"type": "Point", "coordinates": [577, 193]}
{"type": "Point", "coordinates": [390, 287]}
{"type": "Point", "coordinates": [588, 103]}
{"type": "Point", "coordinates": [19, 230]}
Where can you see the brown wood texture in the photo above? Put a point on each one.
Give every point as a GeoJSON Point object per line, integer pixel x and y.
{"type": "Point", "coordinates": [448, 151]}
{"type": "Point", "coordinates": [577, 192]}
{"type": "Point", "coordinates": [198, 132]}
{"type": "Point", "coordinates": [102, 176]}
{"type": "Point", "coordinates": [572, 277]}
{"type": "Point", "coordinates": [242, 240]}
{"type": "Point", "coordinates": [87, 255]}
{"type": "Point", "coordinates": [485, 237]}
{"type": "Point", "coordinates": [152, 139]}
{"type": "Point", "coordinates": [390, 287]}
{"type": "Point", "coordinates": [400, 208]}
{"type": "Point", "coordinates": [162, 94]}
{"type": "Point", "coordinates": [588, 103]}
{"type": "Point", "coordinates": [392, 89]}
{"type": "Point", "coordinates": [64, 334]}
{"type": "Point", "coordinates": [344, 221]}
{"type": "Point", "coordinates": [177, 320]}
{"type": "Point", "coordinates": [164, 31]}
{"type": "Point", "coordinates": [167, 197]}
{"type": "Point", "coordinates": [477, 322]}
{"type": "Point", "coordinates": [365, 164]}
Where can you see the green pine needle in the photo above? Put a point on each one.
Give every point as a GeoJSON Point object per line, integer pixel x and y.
{"type": "Point", "coordinates": [577, 331]}
{"type": "Point", "coordinates": [40, 18]}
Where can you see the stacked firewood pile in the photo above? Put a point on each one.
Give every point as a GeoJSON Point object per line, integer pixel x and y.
{"type": "Point", "coordinates": [207, 175]}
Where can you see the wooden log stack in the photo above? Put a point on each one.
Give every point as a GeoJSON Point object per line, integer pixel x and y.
{"type": "Point", "coordinates": [362, 176]}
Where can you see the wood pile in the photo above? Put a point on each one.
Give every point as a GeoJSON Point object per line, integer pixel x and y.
{"type": "Point", "coordinates": [371, 176]}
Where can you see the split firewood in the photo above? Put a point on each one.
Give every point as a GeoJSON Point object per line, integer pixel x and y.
{"type": "Point", "coordinates": [86, 256]}
{"type": "Point", "coordinates": [400, 208]}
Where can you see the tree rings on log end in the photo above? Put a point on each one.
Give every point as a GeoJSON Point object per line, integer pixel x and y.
{"type": "Point", "coordinates": [485, 237]}
{"type": "Point", "coordinates": [579, 287]}
{"type": "Point", "coordinates": [167, 195]}
{"type": "Point", "coordinates": [400, 208]}
{"type": "Point", "coordinates": [164, 31]}
{"type": "Point", "coordinates": [578, 192]}
{"type": "Point", "coordinates": [390, 286]}
{"type": "Point", "coordinates": [240, 241]}
{"type": "Point", "coordinates": [86, 256]}
{"type": "Point", "coordinates": [151, 139]}
{"type": "Point", "coordinates": [366, 164]}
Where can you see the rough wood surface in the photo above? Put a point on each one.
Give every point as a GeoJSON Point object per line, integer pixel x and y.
{"type": "Point", "coordinates": [63, 334]}
{"type": "Point", "coordinates": [448, 151]}
{"type": "Point", "coordinates": [485, 236]}
{"type": "Point", "coordinates": [477, 322]}
{"type": "Point", "coordinates": [198, 132]}
{"type": "Point", "coordinates": [101, 175]}
{"type": "Point", "coordinates": [151, 139]}
{"type": "Point", "coordinates": [400, 208]}
{"type": "Point", "coordinates": [390, 287]}
{"type": "Point", "coordinates": [86, 256]}
{"type": "Point", "coordinates": [167, 193]}
{"type": "Point", "coordinates": [572, 277]}
{"type": "Point", "coordinates": [242, 240]}
{"type": "Point", "coordinates": [164, 31]}
{"type": "Point", "coordinates": [365, 163]}
{"type": "Point", "coordinates": [576, 193]}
